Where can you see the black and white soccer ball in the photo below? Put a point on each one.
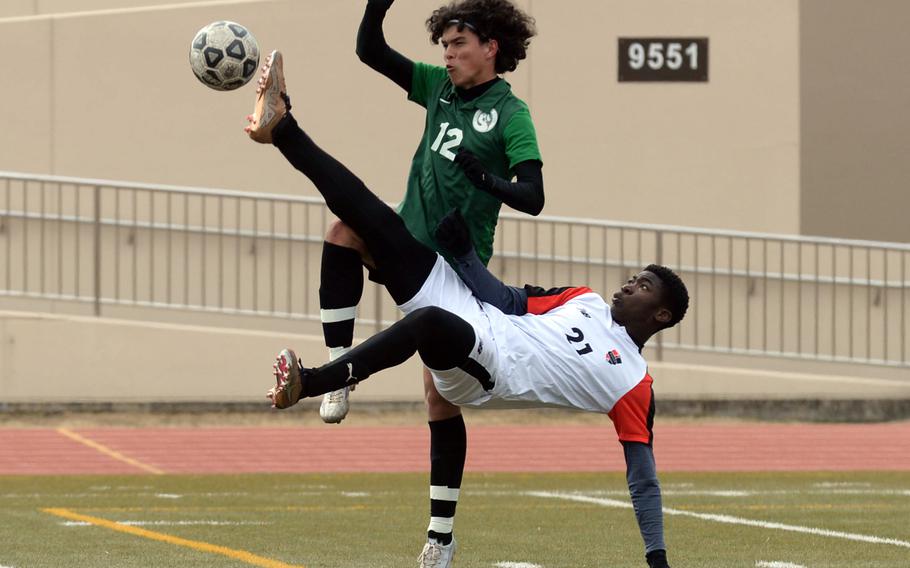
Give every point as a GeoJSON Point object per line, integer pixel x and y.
{"type": "Point", "coordinates": [224, 55]}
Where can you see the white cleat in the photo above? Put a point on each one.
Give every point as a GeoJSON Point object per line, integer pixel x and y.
{"type": "Point", "coordinates": [335, 406]}
{"type": "Point", "coordinates": [435, 555]}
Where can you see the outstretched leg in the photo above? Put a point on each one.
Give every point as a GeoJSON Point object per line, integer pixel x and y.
{"type": "Point", "coordinates": [443, 340]}
{"type": "Point", "coordinates": [403, 262]}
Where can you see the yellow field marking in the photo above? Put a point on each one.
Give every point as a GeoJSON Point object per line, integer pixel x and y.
{"type": "Point", "coordinates": [307, 509]}
{"type": "Point", "coordinates": [242, 555]}
{"type": "Point", "coordinates": [109, 452]}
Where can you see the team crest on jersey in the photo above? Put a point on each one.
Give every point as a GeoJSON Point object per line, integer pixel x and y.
{"type": "Point", "coordinates": [614, 358]}
{"type": "Point", "coordinates": [485, 121]}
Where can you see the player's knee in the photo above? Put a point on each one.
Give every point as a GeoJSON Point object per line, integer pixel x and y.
{"type": "Point", "coordinates": [430, 318]}
{"type": "Point", "coordinates": [340, 234]}
{"type": "Point", "coordinates": [435, 324]}
{"type": "Point", "coordinates": [438, 408]}
{"type": "Point", "coordinates": [444, 340]}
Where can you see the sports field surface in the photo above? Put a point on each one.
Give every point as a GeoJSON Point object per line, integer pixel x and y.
{"type": "Point", "coordinates": [735, 495]}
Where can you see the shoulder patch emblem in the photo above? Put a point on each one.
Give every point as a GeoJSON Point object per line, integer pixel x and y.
{"type": "Point", "coordinates": [485, 121]}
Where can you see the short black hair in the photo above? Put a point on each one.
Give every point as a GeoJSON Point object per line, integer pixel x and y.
{"type": "Point", "coordinates": [675, 293]}
{"type": "Point", "coordinates": [489, 19]}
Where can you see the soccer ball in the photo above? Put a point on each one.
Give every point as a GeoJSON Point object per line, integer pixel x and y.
{"type": "Point", "coordinates": [224, 55]}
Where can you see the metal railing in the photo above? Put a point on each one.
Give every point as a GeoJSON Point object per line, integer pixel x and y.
{"type": "Point", "coordinates": [112, 244]}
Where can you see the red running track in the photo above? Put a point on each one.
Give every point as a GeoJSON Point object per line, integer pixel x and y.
{"type": "Point", "coordinates": [713, 447]}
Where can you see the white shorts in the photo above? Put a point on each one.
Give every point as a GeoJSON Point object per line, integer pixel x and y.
{"type": "Point", "coordinates": [443, 288]}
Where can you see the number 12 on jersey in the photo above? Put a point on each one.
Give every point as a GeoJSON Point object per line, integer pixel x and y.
{"type": "Point", "coordinates": [454, 135]}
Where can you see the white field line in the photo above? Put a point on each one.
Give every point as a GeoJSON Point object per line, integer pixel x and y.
{"type": "Point", "coordinates": [758, 493]}
{"type": "Point", "coordinates": [765, 564]}
{"type": "Point", "coordinates": [171, 524]}
{"type": "Point", "coordinates": [512, 565]}
{"type": "Point", "coordinates": [726, 519]}
{"type": "Point", "coordinates": [732, 493]}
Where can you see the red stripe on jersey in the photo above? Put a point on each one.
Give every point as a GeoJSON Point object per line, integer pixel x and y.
{"type": "Point", "coordinates": [542, 304]}
{"type": "Point", "coordinates": [630, 413]}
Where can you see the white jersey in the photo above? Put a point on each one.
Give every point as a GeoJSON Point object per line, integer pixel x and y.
{"type": "Point", "coordinates": [566, 352]}
{"type": "Point", "coordinates": [573, 355]}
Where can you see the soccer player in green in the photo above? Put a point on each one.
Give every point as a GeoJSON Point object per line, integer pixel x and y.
{"type": "Point", "coordinates": [477, 137]}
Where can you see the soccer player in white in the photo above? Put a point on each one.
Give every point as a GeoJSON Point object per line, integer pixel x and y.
{"type": "Point", "coordinates": [487, 344]}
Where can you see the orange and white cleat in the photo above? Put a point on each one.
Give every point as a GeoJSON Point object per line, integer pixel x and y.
{"type": "Point", "coordinates": [272, 102]}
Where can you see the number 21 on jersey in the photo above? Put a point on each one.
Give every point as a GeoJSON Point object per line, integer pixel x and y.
{"type": "Point", "coordinates": [577, 337]}
{"type": "Point", "coordinates": [454, 136]}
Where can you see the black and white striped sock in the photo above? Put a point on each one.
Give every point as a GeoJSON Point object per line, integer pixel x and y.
{"type": "Point", "coordinates": [448, 447]}
{"type": "Point", "coordinates": [340, 289]}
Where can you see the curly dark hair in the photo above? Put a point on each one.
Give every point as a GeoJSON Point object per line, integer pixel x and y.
{"type": "Point", "coordinates": [676, 296]}
{"type": "Point", "coordinates": [489, 19]}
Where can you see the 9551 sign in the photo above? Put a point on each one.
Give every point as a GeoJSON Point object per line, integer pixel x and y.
{"type": "Point", "coordinates": [663, 59]}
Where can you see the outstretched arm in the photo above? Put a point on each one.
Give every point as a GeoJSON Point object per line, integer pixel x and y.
{"type": "Point", "coordinates": [373, 50]}
{"type": "Point", "coordinates": [644, 488]}
{"type": "Point", "coordinates": [453, 235]}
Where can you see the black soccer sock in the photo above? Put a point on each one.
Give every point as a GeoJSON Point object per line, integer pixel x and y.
{"type": "Point", "coordinates": [403, 260]}
{"type": "Point", "coordinates": [443, 339]}
{"type": "Point", "coordinates": [340, 289]}
{"type": "Point", "coordinates": [448, 448]}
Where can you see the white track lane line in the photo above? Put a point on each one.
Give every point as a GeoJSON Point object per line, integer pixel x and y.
{"type": "Point", "coordinates": [766, 564]}
{"type": "Point", "coordinates": [726, 519]}
{"type": "Point", "coordinates": [512, 565]}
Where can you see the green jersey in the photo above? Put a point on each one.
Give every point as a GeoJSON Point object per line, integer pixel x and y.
{"type": "Point", "coordinates": [496, 127]}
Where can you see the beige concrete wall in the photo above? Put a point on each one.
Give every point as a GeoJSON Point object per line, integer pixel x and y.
{"type": "Point", "coordinates": [717, 154]}
{"type": "Point", "coordinates": [116, 99]}
{"type": "Point", "coordinates": [855, 118]}
{"type": "Point", "coordinates": [18, 8]}
{"type": "Point", "coordinates": [52, 358]}
{"type": "Point", "coordinates": [28, 8]}
{"type": "Point", "coordinates": [49, 358]}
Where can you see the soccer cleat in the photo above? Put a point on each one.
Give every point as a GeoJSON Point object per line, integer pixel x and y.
{"type": "Point", "coordinates": [335, 406]}
{"type": "Point", "coordinates": [288, 380]}
{"type": "Point", "coordinates": [272, 101]}
{"type": "Point", "coordinates": [436, 555]}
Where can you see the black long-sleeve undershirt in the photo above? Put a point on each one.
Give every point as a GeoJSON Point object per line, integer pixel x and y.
{"type": "Point", "coordinates": [644, 489]}
{"type": "Point", "coordinates": [373, 50]}
{"type": "Point", "coordinates": [526, 193]}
